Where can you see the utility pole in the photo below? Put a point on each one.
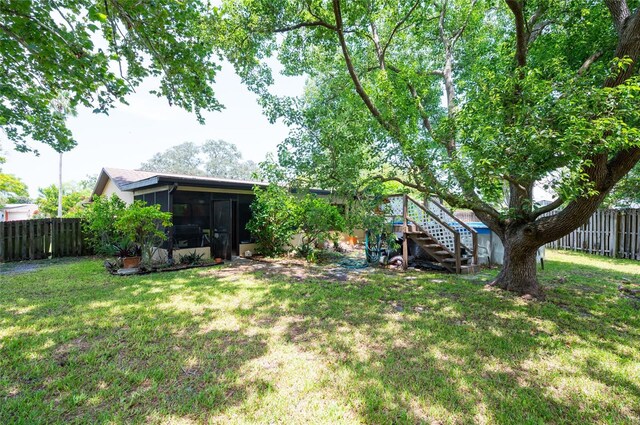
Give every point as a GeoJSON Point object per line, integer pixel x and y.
{"type": "Point", "coordinates": [60, 186]}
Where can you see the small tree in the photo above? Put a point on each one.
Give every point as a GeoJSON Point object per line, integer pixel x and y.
{"type": "Point", "coordinates": [143, 225]}
{"type": "Point", "coordinates": [318, 219]}
{"type": "Point", "coordinates": [98, 224]}
{"type": "Point", "coordinates": [274, 219]}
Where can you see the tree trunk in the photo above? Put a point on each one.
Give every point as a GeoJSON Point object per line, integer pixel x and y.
{"type": "Point", "coordinates": [518, 272]}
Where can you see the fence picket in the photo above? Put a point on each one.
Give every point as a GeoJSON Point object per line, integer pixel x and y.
{"type": "Point", "coordinates": [23, 240]}
{"type": "Point", "coordinates": [40, 238]}
{"type": "Point", "coordinates": [612, 233]}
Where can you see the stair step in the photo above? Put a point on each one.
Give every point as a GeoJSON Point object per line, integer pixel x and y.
{"type": "Point", "coordinates": [432, 246]}
{"type": "Point", "coordinates": [425, 238]}
{"type": "Point", "coordinates": [453, 260]}
{"type": "Point", "coordinates": [442, 253]}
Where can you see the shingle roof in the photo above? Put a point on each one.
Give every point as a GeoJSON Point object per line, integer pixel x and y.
{"type": "Point", "coordinates": [133, 179]}
{"type": "Point", "coordinates": [122, 177]}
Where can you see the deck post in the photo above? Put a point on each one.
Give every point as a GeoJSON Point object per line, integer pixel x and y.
{"type": "Point", "coordinates": [405, 229]}
{"type": "Point", "coordinates": [475, 248]}
{"type": "Point", "coordinates": [457, 253]}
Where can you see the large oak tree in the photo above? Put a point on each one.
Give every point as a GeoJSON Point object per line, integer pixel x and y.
{"type": "Point", "coordinates": [477, 102]}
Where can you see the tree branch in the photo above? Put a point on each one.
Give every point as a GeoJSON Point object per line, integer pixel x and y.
{"type": "Point", "coordinates": [517, 8]}
{"type": "Point", "coordinates": [537, 29]}
{"type": "Point", "coordinates": [397, 27]}
{"type": "Point", "coordinates": [587, 64]}
{"type": "Point", "coordinates": [628, 47]}
{"type": "Point", "coordinates": [305, 25]}
{"type": "Point", "coordinates": [547, 208]}
{"type": "Point", "coordinates": [458, 33]}
{"type": "Point", "coordinates": [354, 76]}
{"type": "Point", "coordinates": [426, 123]}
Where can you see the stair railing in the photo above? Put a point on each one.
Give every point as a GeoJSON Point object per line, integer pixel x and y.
{"type": "Point", "coordinates": [468, 235]}
{"type": "Point", "coordinates": [438, 223]}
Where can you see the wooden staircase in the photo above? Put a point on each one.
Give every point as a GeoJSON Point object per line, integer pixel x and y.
{"type": "Point", "coordinates": [448, 241]}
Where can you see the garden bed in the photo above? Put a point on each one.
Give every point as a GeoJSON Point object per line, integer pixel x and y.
{"type": "Point", "coordinates": [157, 269]}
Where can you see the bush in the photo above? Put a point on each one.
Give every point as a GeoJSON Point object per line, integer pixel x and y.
{"type": "Point", "coordinates": [274, 220]}
{"type": "Point", "coordinates": [144, 225]}
{"type": "Point", "coordinates": [278, 215]}
{"type": "Point", "coordinates": [318, 221]}
{"type": "Point", "coordinates": [113, 228]}
{"type": "Point", "coordinates": [191, 259]}
{"type": "Point", "coordinates": [98, 224]}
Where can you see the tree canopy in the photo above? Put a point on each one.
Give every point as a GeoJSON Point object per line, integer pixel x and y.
{"type": "Point", "coordinates": [72, 196]}
{"type": "Point", "coordinates": [97, 53]}
{"type": "Point", "coordinates": [12, 189]}
{"type": "Point", "coordinates": [627, 192]}
{"type": "Point", "coordinates": [214, 158]}
{"type": "Point", "coordinates": [476, 102]}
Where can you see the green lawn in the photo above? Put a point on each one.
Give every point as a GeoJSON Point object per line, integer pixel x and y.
{"type": "Point", "coordinates": [232, 345]}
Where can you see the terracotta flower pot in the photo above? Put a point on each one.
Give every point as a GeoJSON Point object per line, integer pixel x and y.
{"type": "Point", "coordinates": [217, 260]}
{"type": "Point", "coordinates": [131, 262]}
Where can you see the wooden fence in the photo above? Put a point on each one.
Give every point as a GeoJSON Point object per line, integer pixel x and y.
{"type": "Point", "coordinates": [612, 233]}
{"type": "Point", "coordinates": [42, 238]}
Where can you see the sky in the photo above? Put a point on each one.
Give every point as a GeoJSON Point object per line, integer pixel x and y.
{"type": "Point", "coordinates": [132, 133]}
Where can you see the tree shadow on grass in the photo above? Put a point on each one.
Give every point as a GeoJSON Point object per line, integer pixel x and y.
{"type": "Point", "coordinates": [419, 351]}
{"type": "Point", "coordinates": [122, 350]}
{"type": "Point", "coordinates": [432, 348]}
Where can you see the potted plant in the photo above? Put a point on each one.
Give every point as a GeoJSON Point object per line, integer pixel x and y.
{"type": "Point", "coordinates": [128, 253]}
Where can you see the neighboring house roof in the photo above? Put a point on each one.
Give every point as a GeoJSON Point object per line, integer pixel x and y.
{"type": "Point", "coordinates": [129, 180]}
{"type": "Point", "coordinates": [21, 211]}
{"type": "Point", "coordinates": [18, 207]}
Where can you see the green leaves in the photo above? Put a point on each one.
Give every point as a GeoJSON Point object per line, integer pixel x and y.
{"type": "Point", "coordinates": [277, 216]}
{"type": "Point", "coordinates": [273, 219]}
{"type": "Point", "coordinates": [54, 47]}
{"type": "Point", "coordinates": [99, 217]}
{"type": "Point", "coordinates": [432, 95]}
{"type": "Point", "coordinates": [12, 189]}
{"type": "Point", "coordinates": [72, 197]}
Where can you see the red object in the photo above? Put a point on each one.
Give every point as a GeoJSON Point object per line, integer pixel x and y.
{"type": "Point", "coordinates": [131, 262]}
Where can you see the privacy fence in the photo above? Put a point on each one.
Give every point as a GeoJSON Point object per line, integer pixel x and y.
{"type": "Point", "coordinates": [38, 239]}
{"type": "Point", "coordinates": [612, 233]}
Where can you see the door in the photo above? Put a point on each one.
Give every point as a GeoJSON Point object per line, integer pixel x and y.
{"type": "Point", "coordinates": [221, 229]}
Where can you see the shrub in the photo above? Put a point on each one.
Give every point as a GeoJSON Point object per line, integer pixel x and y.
{"type": "Point", "coordinates": [274, 220]}
{"type": "Point", "coordinates": [98, 224]}
{"type": "Point", "coordinates": [318, 221]}
{"type": "Point", "coordinates": [191, 258]}
{"type": "Point", "coordinates": [278, 215]}
{"type": "Point", "coordinates": [143, 225]}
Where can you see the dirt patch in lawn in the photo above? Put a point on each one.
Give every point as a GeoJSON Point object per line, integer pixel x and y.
{"type": "Point", "coordinates": [351, 269]}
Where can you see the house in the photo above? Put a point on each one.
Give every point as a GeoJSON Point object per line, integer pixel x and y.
{"type": "Point", "coordinates": [15, 212]}
{"type": "Point", "coordinates": [209, 214]}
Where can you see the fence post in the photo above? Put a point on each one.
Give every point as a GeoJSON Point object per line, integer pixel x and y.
{"type": "Point", "coordinates": [457, 252]}
{"type": "Point", "coordinates": [54, 237]}
{"type": "Point", "coordinates": [24, 231]}
{"type": "Point", "coordinates": [405, 230]}
{"type": "Point", "coordinates": [2, 242]}
{"type": "Point", "coordinates": [615, 234]}
{"type": "Point", "coordinates": [32, 240]}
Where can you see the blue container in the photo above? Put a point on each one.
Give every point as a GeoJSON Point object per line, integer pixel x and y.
{"type": "Point", "coordinates": [479, 227]}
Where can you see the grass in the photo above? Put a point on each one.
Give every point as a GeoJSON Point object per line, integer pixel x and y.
{"type": "Point", "coordinates": [267, 346]}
